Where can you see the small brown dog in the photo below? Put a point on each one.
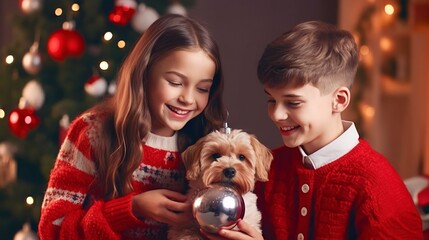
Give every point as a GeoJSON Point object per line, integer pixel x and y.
{"type": "Point", "coordinates": [235, 158]}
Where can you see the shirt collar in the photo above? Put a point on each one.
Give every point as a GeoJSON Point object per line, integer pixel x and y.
{"type": "Point", "coordinates": [335, 149]}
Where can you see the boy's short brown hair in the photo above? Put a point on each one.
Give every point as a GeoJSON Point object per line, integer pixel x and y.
{"type": "Point", "coordinates": [312, 52]}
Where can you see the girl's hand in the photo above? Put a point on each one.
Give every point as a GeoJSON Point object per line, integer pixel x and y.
{"type": "Point", "coordinates": [162, 205]}
{"type": "Point", "coordinates": [244, 232]}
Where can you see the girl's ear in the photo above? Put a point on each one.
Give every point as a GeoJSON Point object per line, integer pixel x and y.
{"type": "Point", "coordinates": [341, 99]}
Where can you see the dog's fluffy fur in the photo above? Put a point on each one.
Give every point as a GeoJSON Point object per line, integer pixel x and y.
{"type": "Point", "coordinates": [246, 161]}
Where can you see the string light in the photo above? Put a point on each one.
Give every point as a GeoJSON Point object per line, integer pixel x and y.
{"type": "Point", "coordinates": [9, 59]}
{"type": "Point", "coordinates": [58, 12]}
{"type": "Point", "coordinates": [367, 110]}
{"type": "Point", "coordinates": [364, 50]}
{"type": "Point", "coordinates": [2, 113]}
{"type": "Point", "coordinates": [389, 9]}
{"type": "Point", "coordinates": [104, 65]}
{"type": "Point", "coordinates": [121, 44]}
{"type": "Point", "coordinates": [29, 200]}
{"type": "Point", "coordinates": [108, 36]}
{"type": "Point", "coordinates": [386, 44]}
{"type": "Point", "coordinates": [75, 7]}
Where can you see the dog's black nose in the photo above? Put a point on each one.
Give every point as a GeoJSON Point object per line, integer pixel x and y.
{"type": "Point", "coordinates": [229, 172]}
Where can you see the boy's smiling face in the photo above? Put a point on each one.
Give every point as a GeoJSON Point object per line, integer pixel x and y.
{"type": "Point", "coordinates": [304, 116]}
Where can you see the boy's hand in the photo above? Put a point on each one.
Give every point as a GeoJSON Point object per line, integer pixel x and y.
{"type": "Point", "coordinates": [244, 232]}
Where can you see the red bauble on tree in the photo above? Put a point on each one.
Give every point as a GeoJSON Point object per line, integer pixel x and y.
{"type": "Point", "coordinates": [66, 42]}
{"type": "Point", "coordinates": [57, 43]}
{"type": "Point", "coordinates": [123, 12]}
{"type": "Point", "coordinates": [21, 121]}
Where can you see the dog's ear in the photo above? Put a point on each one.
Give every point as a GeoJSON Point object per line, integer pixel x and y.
{"type": "Point", "coordinates": [263, 159]}
{"type": "Point", "coordinates": [191, 159]}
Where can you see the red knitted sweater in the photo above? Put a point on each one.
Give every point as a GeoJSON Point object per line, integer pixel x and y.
{"type": "Point", "coordinates": [358, 196]}
{"type": "Point", "coordinates": [63, 215]}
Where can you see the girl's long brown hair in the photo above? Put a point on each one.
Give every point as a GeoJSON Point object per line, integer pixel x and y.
{"type": "Point", "coordinates": [119, 149]}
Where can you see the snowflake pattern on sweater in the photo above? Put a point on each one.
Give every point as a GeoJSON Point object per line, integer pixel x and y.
{"type": "Point", "coordinates": [63, 215]}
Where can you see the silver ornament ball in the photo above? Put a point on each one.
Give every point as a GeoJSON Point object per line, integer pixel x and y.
{"type": "Point", "coordinates": [32, 62]}
{"type": "Point", "coordinates": [218, 207]}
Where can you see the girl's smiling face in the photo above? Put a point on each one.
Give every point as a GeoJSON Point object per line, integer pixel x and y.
{"type": "Point", "coordinates": [178, 89]}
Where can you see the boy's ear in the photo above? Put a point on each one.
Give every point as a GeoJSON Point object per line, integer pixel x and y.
{"type": "Point", "coordinates": [341, 99]}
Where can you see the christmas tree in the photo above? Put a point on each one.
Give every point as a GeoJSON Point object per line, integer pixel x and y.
{"type": "Point", "coordinates": [62, 59]}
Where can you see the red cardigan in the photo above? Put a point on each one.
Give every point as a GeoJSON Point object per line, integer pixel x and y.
{"type": "Point", "coordinates": [64, 214]}
{"type": "Point", "coordinates": [358, 196]}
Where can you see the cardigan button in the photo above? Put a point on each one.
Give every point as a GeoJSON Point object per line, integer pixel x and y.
{"type": "Point", "coordinates": [305, 188]}
{"type": "Point", "coordinates": [304, 211]}
{"type": "Point", "coordinates": [300, 236]}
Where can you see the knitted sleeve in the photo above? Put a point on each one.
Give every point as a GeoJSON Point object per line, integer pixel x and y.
{"type": "Point", "coordinates": [63, 215]}
{"type": "Point", "coordinates": [385, 209]}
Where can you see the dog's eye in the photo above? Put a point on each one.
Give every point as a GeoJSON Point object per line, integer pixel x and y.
{"type": "Point", "coordinates": [241, 157]}
{"type": "Point", "coordinates": [216, 155]}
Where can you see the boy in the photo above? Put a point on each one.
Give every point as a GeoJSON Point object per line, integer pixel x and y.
{"type": "Point", "coordinates": [326, 182]}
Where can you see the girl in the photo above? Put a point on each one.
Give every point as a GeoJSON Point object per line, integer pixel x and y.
{"type": "Point", "coordinates": [118, 174]}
